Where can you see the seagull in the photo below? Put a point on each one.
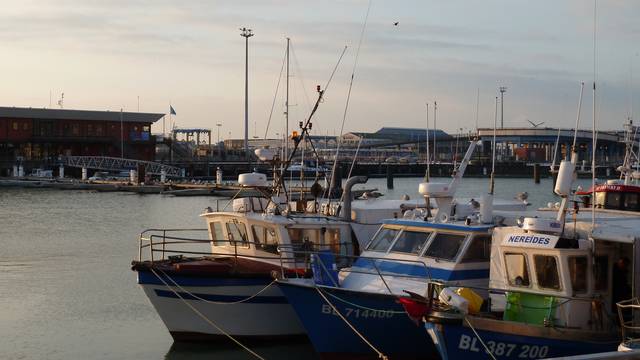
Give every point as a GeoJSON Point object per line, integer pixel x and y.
{"type": "Point", "coordinates": [396, 23]}
{"type": "Point", "coordinates": [522, 196]}
{"type": "Point", "coordinates": [534, 124]}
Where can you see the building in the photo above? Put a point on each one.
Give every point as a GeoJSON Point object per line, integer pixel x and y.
{"type": "Point", "coordinates": [37, 137]}
{"type": "Point", "coordinates": [537, 145]}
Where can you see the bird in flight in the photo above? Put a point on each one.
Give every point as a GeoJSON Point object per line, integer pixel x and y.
{"type": "Point", "coordinates": [534, 124]}
{"type": "Point", "coordinates": [396, 23]}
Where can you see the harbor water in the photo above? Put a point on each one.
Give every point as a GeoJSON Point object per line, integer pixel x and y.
{"type": "Point", "coordinates": [66, 288]}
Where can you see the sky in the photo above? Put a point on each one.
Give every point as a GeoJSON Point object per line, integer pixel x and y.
{"type": "Point", "coordinates": [105, 55]}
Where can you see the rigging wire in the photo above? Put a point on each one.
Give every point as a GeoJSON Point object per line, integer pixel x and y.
{"type": "Point", "coordinates": [346, 106]}
{"type": "Point", "coordinates": [300, 77]}
{"type": "Point", "coordinates": [275, 96]}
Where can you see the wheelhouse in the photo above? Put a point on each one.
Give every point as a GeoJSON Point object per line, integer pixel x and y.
{"type": "Point", "coordinates": [275, 238]}
{"type": "Point", "coordinates": [403, 253]}
{"type": "Point", "coordinates": [553, 280]}
{"type": "Point", "coordinates": [613, 196]}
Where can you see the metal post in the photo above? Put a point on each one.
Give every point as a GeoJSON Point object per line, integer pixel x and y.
{"type": "Point", "coordinates": [246, 33]}
{"type": "Point", "coordinates": [503, 89]}
{"type": "Point", "coordinates": [121, 135]}
{"type": "Point", "coordinates": [435, 129]}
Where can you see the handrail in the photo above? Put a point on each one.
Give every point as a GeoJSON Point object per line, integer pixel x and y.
{"type": "Point", "coordinates": [164, 241]}
{"type": "Point", "coordinates": [628, 313]}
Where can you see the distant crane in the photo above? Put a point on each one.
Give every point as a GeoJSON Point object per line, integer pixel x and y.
{"type": "Point", "coordinates": [534, 124]}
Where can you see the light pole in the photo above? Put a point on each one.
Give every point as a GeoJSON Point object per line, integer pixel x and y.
{"type": "Point", "coordinates": [219, 126]}
{"type": "Point", "coordinates": [121, 135]}
{"type": "Point", "coordinates": [503, 89]}
{"type": "Point", "coordinates": [246, 34]}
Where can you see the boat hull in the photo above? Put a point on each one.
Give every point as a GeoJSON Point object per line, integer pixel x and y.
{"type": "Point", "coordinates": [455, 341]}
{"type": "Point", "coordinates": [378, 317]}
{"type": "Point", "coordinates": [266, 316]}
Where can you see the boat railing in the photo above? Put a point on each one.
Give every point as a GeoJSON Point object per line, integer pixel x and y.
{"type": "Point", "coordinates": [629, 319]}
{"type": "Point", "coordinates": [159, 244]}
{"type": "Point", "coordinates": [368, 265]}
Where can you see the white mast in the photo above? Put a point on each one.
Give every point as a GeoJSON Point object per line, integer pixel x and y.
{"type": "Point", "coordinates": [286, 111]}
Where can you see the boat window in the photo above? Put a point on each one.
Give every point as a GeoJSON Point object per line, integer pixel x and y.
{"type": "Point", "coordinates": [217, 234]}
{"type": "Point", "coordinates": [237, 233]}
{"type": "Point", "coordinates": [383, 239]}
{"type": "Point", "coordinates": [332, 240]}
{"type": "Point", "coordinates": [410, 242]}
{"type": "Point", "coordinates": [600, 196]}
{"type": "Point", "coordinates": [578, 273]}
{"type": "Point", "coordinates": [479, 249]}
{"type": "Point", "coordinates": [631, 201]}
{"type": "Point", "coordinates": [547, 271]}
{"type": "Point", "coordinates": [303, 237]}
{"type": "Point", "coordinates": [266, 238]}
{"type": "Point", "coordinates": [613, 200]}
{"type": "Point", "coordinates": [517, 270]}
{"type": "Point", "coordinates": [601, 273]}
{"type": "Point", "coordinates": [445, 246]}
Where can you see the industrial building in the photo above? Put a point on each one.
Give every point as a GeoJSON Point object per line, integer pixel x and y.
{"type": "Point", "coordinates": [39, 137]}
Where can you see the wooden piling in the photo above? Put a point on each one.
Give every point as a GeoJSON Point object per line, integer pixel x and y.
{"type": "Point", "coordinates": [536, 173]}
{"type": "Point", "coordinates": [389, 177]}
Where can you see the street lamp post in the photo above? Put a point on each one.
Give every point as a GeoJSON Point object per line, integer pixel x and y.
{"type": "Point", "coordinates": [503, 89]}
{"type": "Point", "coordinates": [246, 34]}
{"type": "Point", "coordinates": [219, 126]}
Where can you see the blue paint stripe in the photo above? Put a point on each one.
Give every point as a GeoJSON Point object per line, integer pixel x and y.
{"type": "Point", "coordinates": [445, 226]}
{"type": "Point", "coordinates": [400, 268]}
{"type": "Point", "coordinates": [223, 298]}
{"type": "Point", "coordinates": [146, 277]}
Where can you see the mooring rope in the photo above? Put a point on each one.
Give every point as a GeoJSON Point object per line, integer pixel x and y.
{"type": "Point", "coordinates": [486, 348]}
{"type": "Point", "coordinates": [380, 354]}
{"type": "Point", "coordinates": [216, 302]}
{"type": "Point", "coordinates": [203, 317]}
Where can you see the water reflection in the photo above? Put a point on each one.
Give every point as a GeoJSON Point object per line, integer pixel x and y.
{"type": "Point", "coordinates": [301, 349]}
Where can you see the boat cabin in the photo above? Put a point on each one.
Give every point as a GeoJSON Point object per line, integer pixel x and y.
{"type": "Point", "coordinates": [403, 253]}
{"type": "Point", "coordinates": [272, 238]}
{"type": "Point", "coordinates": [613, 196]}
{"type": "Point", "coordinates": [550, 279]}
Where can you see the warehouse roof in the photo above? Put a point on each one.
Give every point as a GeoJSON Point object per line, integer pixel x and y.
{"type": "Point", "coordinates": [68, 114]}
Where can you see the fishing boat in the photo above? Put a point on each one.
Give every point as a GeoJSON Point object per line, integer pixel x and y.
{"type": "Point", "coordinates": [554, 284]}
{"type": "Point", "coordinates": [621, 194]}
{"type": "Point", "coordinates": [348, 311]}
{"type": "Point", "coordinates": [221, 285]}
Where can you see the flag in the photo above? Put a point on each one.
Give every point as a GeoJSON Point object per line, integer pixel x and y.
{"type": "Point", "coordinates": [171, 110]}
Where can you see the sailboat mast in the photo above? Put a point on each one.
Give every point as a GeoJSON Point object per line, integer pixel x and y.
{"type": "Point", "coordinates": [286, 111]}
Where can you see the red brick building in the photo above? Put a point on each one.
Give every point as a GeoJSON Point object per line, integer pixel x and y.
{"type": "Point", "coordinates": [37, 137]}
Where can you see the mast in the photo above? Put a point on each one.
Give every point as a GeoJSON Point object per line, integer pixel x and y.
{"type": "Point", "coordinates": [428, 173]}
{"type": "Point", "coordinates": [435, 128]}
{"type": "Point", "coordinates": [493, 150]}
{"type": "Point", "coordinates": [286, 111]}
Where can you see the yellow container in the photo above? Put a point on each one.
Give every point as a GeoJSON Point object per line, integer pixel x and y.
{"type": "Point", "coordinates": [475, 300]}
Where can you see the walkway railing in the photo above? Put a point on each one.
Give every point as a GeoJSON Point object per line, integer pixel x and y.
{"type": "Point", "coordinates": [118, 164]}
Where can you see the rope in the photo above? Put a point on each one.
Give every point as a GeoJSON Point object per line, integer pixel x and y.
{"type": "Point", "coordinates": [346, 106]}
{"type": "Point", "coordinates": [380, 354]}
{"type": "Point", "coordinates": [216, 302]}
{"type": "Point", "coordinates": [275, 96]}
{"type": "Point", "coordinates": [203, 317]}
{"type": "Point", "coordinates": [479, 338]}
{"type": "Point", "coordinates": [364, 307]}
